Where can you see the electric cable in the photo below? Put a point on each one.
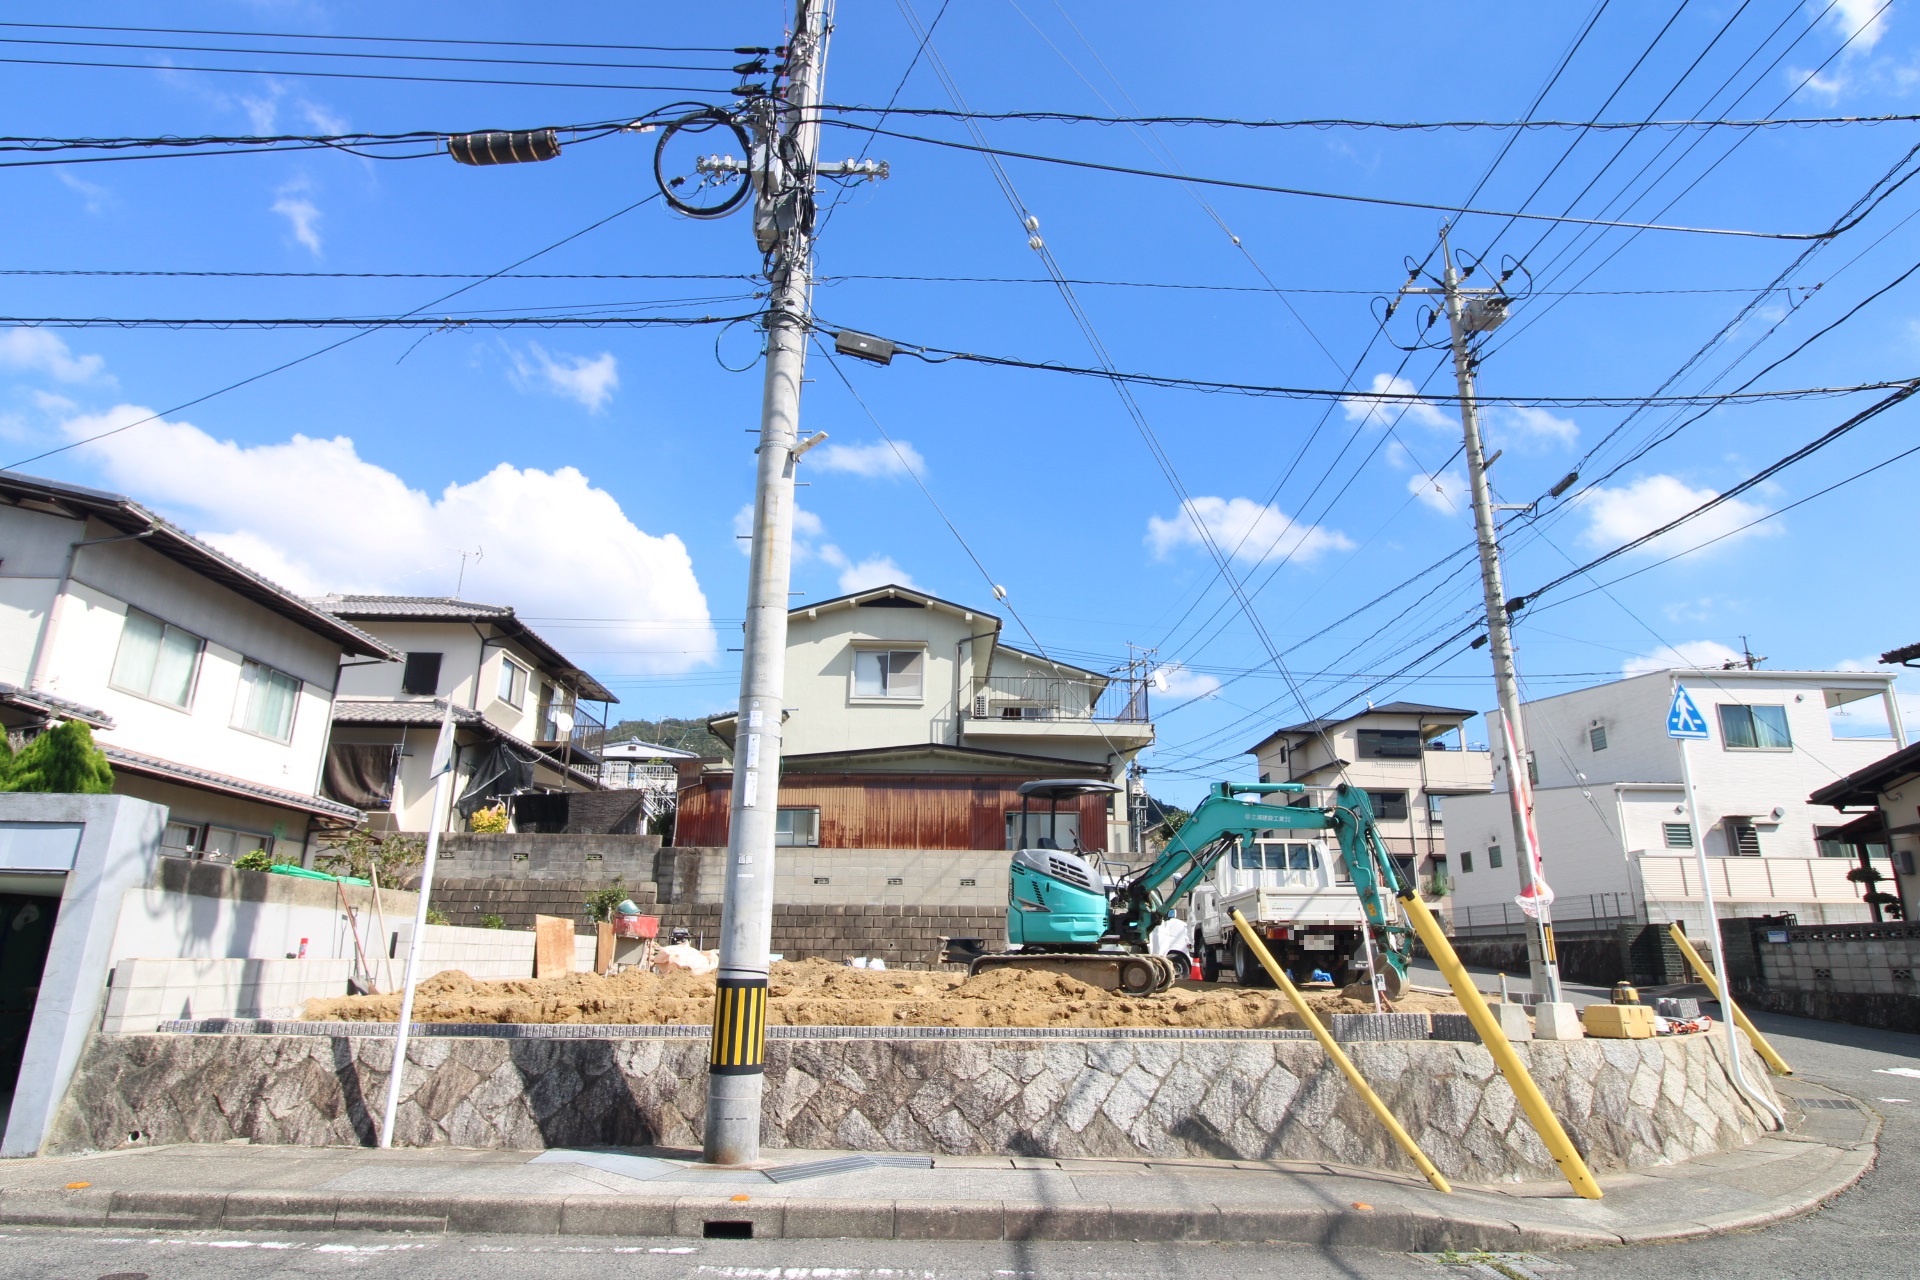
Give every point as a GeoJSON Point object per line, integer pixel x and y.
{"type": "Point", "coordinates": [439, 40]}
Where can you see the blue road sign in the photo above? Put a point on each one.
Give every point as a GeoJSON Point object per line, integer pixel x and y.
{"type": "Point", "coordinates": [1683, 718]}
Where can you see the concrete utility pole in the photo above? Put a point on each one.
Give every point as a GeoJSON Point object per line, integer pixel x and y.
{"type": "Point", "coordinates": [1471, 311]}
{"type": "Point", "coordinates": [787, 139]}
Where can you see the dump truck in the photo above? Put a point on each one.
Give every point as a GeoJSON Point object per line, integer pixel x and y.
{"type": "Point", "coordinates": [1072, 912]}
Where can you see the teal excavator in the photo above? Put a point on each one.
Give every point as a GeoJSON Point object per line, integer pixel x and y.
{"type": "Point", "coordinates": [1066, 914]}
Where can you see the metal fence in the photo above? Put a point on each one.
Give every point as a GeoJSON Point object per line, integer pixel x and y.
{"type": "Point", "coordinates": [1052, 698]}
{"type": "Point", "coordinates": [1587, 911]}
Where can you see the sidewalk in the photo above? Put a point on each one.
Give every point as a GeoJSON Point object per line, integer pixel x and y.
{"type": "Point", "coordinates": [814, 1195]}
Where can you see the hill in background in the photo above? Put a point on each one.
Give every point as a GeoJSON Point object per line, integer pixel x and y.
{"type": "Point", "coordinates": [683, 735]}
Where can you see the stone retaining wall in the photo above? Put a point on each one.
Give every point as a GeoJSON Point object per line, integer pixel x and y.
{"type": "Point", "coordinates": [1626, 1103]}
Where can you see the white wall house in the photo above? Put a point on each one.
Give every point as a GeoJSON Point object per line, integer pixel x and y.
{"type": "Point", "coordinates": [893, 679]}
{"type": "Point", "coordinates": [209, 687]}
{"type": "Point", "coordinates": [1412, 759]}
{"type": "Point", "coordinates": [1610, 809]}
{"type": "Point", "coordinates": [517, 701]}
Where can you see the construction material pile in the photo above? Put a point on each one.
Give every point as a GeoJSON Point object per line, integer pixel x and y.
{"type": "Point", "coordinates": [819, 993]}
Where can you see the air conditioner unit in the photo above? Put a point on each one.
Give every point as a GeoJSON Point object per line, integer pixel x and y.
{"type": "Point", "coordinates": [980, 711]}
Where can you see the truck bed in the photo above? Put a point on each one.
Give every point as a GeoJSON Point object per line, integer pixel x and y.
{"type": "Point", "coordinates": [1336, 905]}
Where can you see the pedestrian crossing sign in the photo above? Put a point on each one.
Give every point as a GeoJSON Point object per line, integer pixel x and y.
{"type": "Point", "coordinates": [1683, 718]}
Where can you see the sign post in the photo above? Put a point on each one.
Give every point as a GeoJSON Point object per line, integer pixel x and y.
{"type": "Point", "coordinates": [1685, 724]}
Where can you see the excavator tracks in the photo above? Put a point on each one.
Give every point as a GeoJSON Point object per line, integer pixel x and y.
{"type": "Point", "coordinates": [1130, 973]}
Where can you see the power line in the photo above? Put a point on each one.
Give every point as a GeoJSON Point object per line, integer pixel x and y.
{"type": "Point", "coordinates": [1404, 126]}
{"type": "Point", "coordinates": [1347, 197]}
{"type": "Point", "coordinates": [355, 75]}
{"type": "Point", "coordinates": [384, 57]}
{"type": "Point", "coordinates": [332, 346]}
{"type": "Point", "coordinates": [377, 322]}
{"type": "Point", "coordinates": [436, 40]}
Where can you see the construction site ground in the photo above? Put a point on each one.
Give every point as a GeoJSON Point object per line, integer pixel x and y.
{"type": "Point", "coordinates": [821, 993]}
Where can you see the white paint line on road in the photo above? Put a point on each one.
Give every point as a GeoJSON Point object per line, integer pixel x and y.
{"type": "Point", "coordinates": [1909, 1072]}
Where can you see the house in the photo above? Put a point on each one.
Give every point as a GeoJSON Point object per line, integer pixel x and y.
{"type": "Point", "coordinates": [1411, 759]}
{"type": "Point", "coordinates": [522, 731]}
{"type": "Point", "coordinates": [1889, 791]}
{"type": "Point", "coordinates": [1616, 839]}
{"type": "Point", "coordinates": [911, 723]}
{"type": "Point", "coordinates": [209, 688]}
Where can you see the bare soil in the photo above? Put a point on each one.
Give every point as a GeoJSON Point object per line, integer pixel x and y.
{"type": "Point", "coordinates": [821, 993]}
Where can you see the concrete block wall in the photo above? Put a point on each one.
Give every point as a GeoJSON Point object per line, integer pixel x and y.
{"type": "Point", "coordinates": [512, 856]}
{"type": "Point", "coordinates": [905, 937]}
{"type": "Point", "coordinates": [517, 902]}
{"type": "Point", "coordinates": [487, 954]}
{"type": "Point", "coordinates": [142, 993]}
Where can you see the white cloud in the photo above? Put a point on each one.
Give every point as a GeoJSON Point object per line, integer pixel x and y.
{"type": "Point", "coordinates": [1863, 20]}
{"type": "Point", "coordinates": [874, 571]}
{"type": "Point", "coordinates": [93, 196]}
{"type": "Point", "coordinates": [870, 460]}
{"type": "Point", "coordinates": [1376, 412]}
{"type": "Point", "coordinates": [42, 351]}
{"type": "Point", "coordinates": [1688, 653]}
{"type": "Point", "coordinates": [1615, 516]}
{"type": "Point", "coordinates": [1245, 530]}
{"type": "Point", "coordinates": [1184, 684]}
{"type": "Point", "coordinates": [315, 516]}
{"type": "Point", "coordinates": [1538, 426]}
{"type": "Point", "coordinates": [302, 215]}
{"type": "Point", "coordinates": [589, 380]}
{"type": "Point", "coordinates": [321, 118]}
{"type": "Point", "coordinates": [1445, 493]}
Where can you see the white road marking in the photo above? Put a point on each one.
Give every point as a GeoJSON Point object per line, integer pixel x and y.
{"type": "Point", "coordinates": [1909, 1072]}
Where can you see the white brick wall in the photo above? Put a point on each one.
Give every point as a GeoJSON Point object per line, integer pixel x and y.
{"type": "Point", "coordinates": [142, 993]}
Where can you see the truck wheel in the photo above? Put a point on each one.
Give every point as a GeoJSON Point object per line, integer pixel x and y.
{"type": "Point", "coordinates": [1209, 964]}
{"type": "Point", "coordinates": [1247, 969]}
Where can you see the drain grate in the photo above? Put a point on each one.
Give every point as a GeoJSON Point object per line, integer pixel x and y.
{"type": "Point", "coordinates": [1827, 1104]}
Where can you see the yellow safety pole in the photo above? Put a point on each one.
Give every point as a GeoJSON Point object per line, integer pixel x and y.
{"type": "Point", "coordinates": [1777, 1063]}
{"type": "Point", "coordinates": [1545, 1123]}
{"type": "Point", "coordinates": [1339, 1056]}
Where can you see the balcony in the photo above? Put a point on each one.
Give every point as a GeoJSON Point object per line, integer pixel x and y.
{"type": "Point", "coordinates": [1668, 878]}
{"type": "Point", "coordinates": [1045, 707]}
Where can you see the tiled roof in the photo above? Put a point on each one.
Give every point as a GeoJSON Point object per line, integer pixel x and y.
{"type": "Point", "coordinates": [1384, 709]}
{"type": "Point", "coordinates": [178, 545]}
{"type": "Point", "coordinates": [356, 608]}
{"type": "Point", "coordinates": [13, 695]}
{"type": "Point", "coordinates": [208, 780]}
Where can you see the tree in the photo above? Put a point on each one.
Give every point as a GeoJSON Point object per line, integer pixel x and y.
{"type": "Point", "coordinates": [61, 759]}
{"type": "Point", "coordinates": [357, 852]}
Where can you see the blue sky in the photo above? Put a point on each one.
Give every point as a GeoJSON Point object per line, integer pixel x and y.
{"type": "Point", "coordinates": [599, 473]}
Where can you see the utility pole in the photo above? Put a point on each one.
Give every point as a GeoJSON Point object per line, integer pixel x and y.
{"type": "Point", "coordinates": [786, 146]}
{"type": "Point", "coordinates": [1471, 311]}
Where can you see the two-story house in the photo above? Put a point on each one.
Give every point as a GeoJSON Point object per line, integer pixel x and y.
{"type": "Point", "coordinates": [1617, 841]}
{"type": "Point", "coordinates": [522, 731]}
{"type": "Point", "coordinates": [1412, 760]}
{"type": "Point", "coordinates": [910, 724]}
{"type": "Point", "coordinates": [209, 688]}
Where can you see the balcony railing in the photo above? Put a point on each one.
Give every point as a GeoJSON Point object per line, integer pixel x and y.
{"type": "Point", "coordinates": [635, 775]}
{"type": "Point", "coordinates": [1050, 698]}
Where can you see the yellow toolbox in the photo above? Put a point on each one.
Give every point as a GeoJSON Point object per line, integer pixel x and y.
{"type": "Point", "coordinates": [1618, 1021]}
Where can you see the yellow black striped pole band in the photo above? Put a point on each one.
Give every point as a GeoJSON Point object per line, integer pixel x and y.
{"type": "Point", "coordinates": [739, 1027]}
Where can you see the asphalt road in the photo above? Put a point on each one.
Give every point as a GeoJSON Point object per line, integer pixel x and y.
{"type": "Point", "coordinates": [1870, 1231]}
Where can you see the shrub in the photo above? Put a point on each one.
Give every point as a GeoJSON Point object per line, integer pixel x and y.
{"type": "Point", "coordinates": [255, 861]}
{"type": "Point", "coordinates": [363, 851]}
{"type": "Point", "coordinates": [491, 820]}
{"type": "Point", "coordinates": [61, 759]}
{"type": "Point", "coordinates": [601, 902]}
{"type": "Point", "coordinates": [436, 916]}
{"type": "Point", "coordinates": [492, 921]}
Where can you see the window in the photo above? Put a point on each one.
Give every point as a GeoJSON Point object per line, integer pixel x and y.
{"type": "Point", "coordinates": [1743, 841]}
{"type": "Point", "coordinates": [1597, 737]}
{"type": "Point", "coordinates": [1754, 728]}
{"type": "Point", "coordinates": [180, 837]}
{"type": "Point", "coordinates": [1434, 804]}
{"type": "Point", "coordinates": [1466, 861]}
{"type": "Point", "coordinates": [225, 845]}
{"type": "Point", "coordinates": [422, 674]}
{"type": "Point", "coordinates": [1831, 848]}
{"type": "Point", "coordinates": [1388, 806]}
{"type": "Point", "coordinates": [1389, 744]}
{"type": "Point", "coordinates": [513, 682]}
{"type": "Point", "coordinates": [1679, 834]}
{"type": "Point", "coordinates": [265, 702]}
{"type": "Point", "coordinates": [1493, 855]}
{"type": "Point", "coordinates": [1266, 777]}
{"type": "Point", "coordinates": [887, 673]}
{"type": "Point", "coordinates": [1274, 855]}
{"type": "Point", "coordinates": [797, 829]}
{"type": "Point", "coordinates": [157, 660]}
{"type": "Point", "coordinates": [1045, 831]}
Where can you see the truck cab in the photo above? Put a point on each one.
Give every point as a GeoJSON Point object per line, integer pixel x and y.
{"type": "Point", "coordinates": [1297, 895]}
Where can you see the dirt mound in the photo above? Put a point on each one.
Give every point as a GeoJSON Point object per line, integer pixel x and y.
{"type": "Point", "coordinates": [820, 993]}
